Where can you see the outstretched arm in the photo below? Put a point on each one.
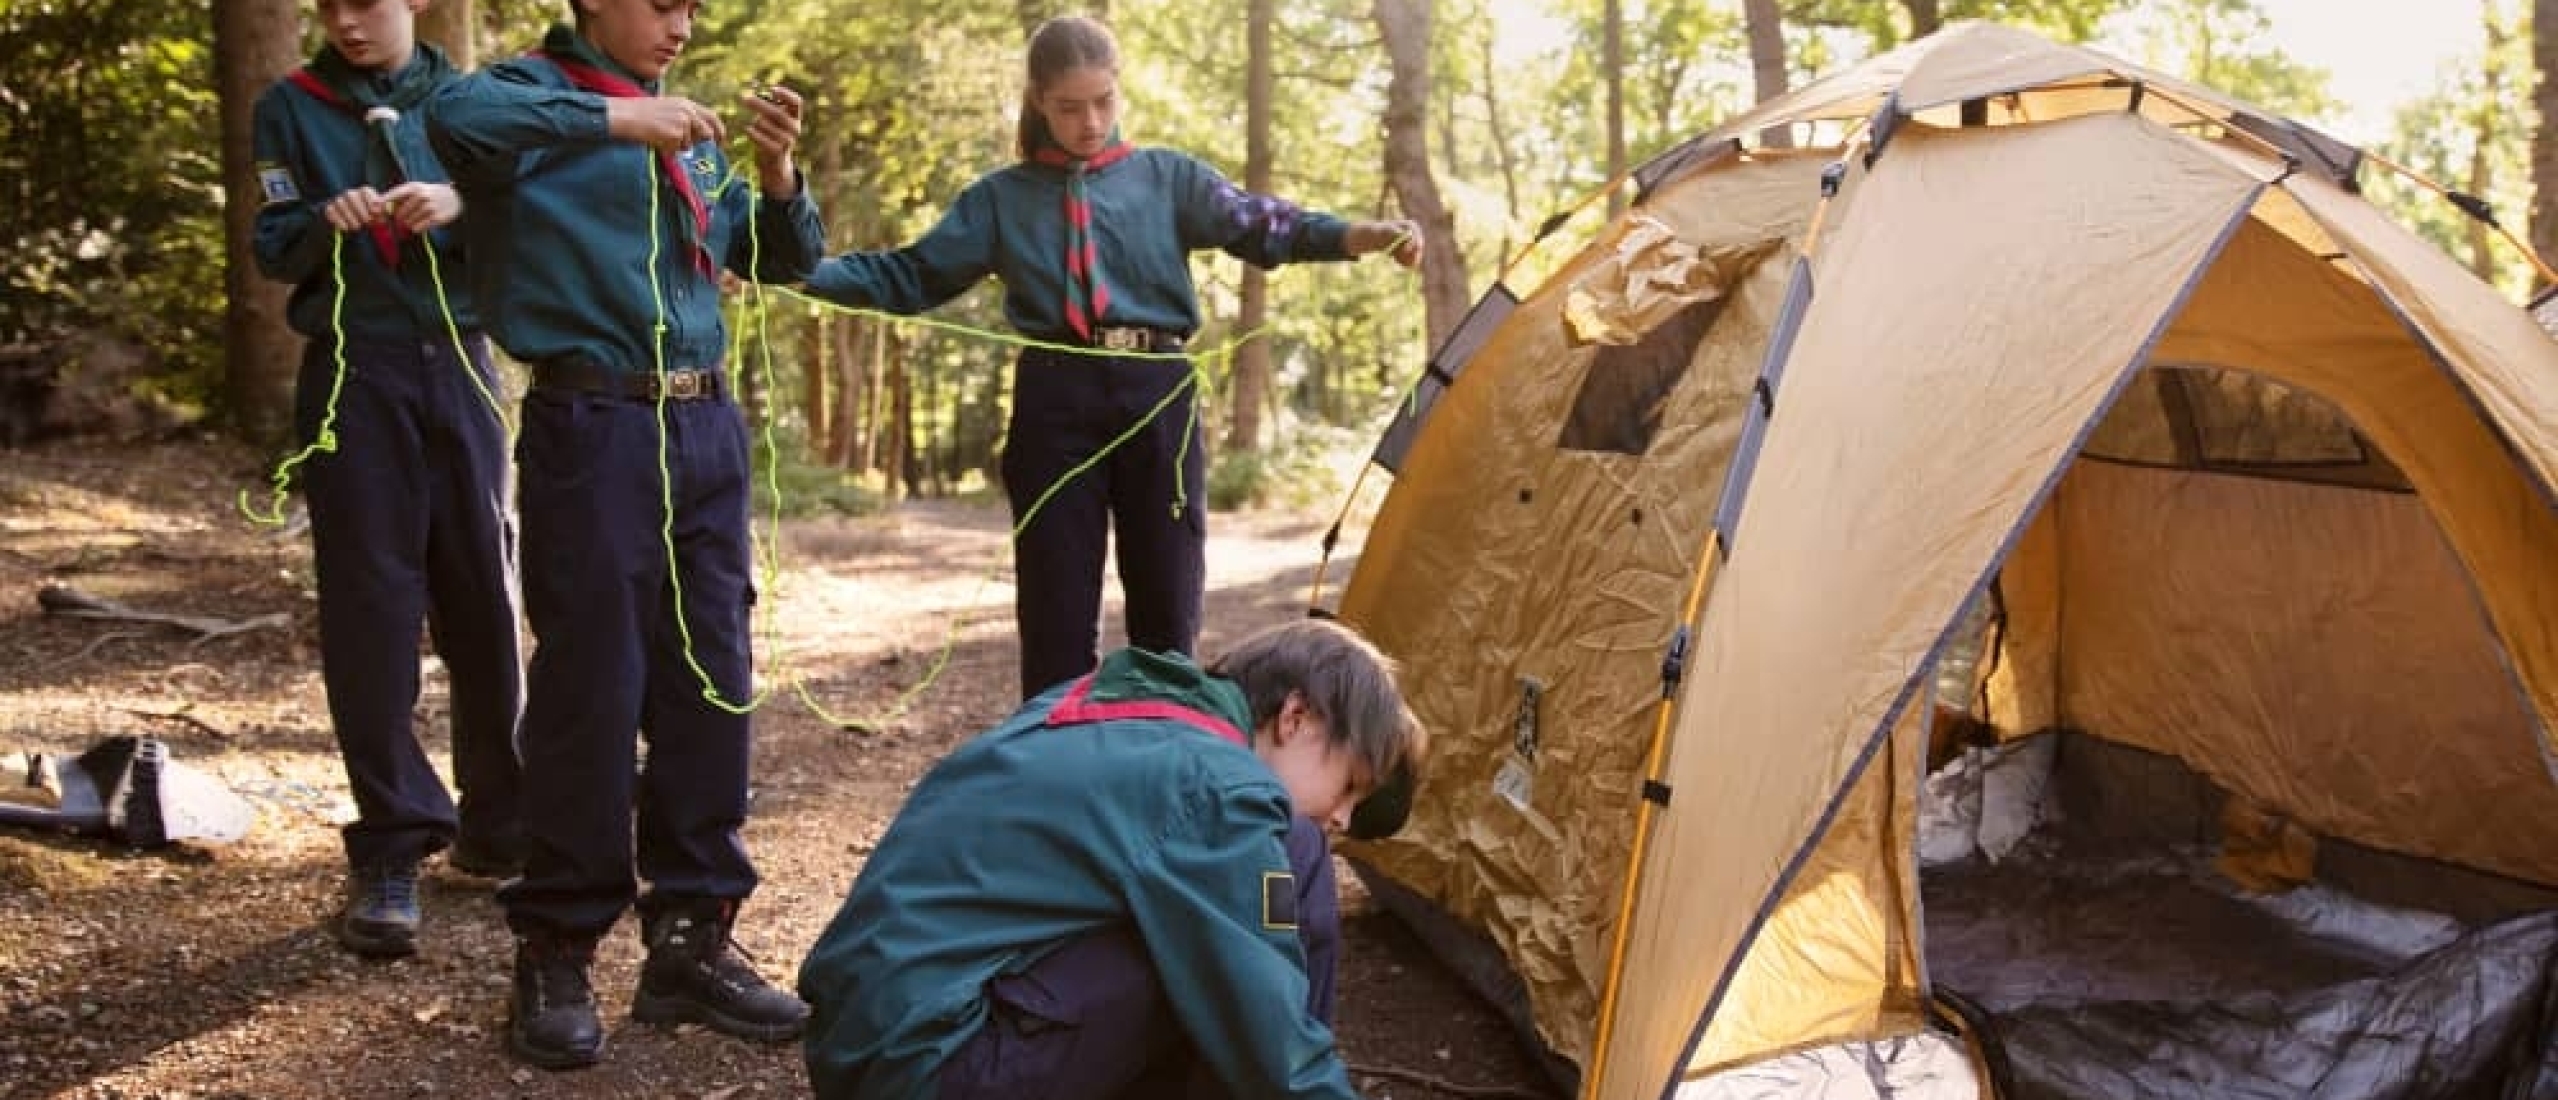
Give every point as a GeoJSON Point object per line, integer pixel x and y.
{"type": "Point", "coordinates": [941, 265]}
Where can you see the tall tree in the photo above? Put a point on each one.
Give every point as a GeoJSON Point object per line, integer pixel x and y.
{"type": "Point", "coordinates": [2544, 135]}
{"type": "Point", "coordinates": [452, 26]}
{"type": "Point", "coordinates": [1926, 17]}
{"type": "Point", "coordinates": [254, 43]}
{"type": "Point", "coordinates": [1405, 27]}
{"type": "Point", "coordinates": [1767, 57]}
{"type": "Point", "coordinates": [1252, 360]}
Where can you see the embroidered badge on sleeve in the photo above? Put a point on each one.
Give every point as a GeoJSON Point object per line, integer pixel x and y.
{"type": "Point", "coordinates": [1278, 901]}
{"type": "Point", "coordinates": [275, 181]}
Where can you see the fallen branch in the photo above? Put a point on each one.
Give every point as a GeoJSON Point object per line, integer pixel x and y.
{"type": "Point", "coordinates": [1434, 1084]}
{"type": "Point", "coordinates": [92, 647]}
{"type": "Point", "coordinates": [69, 602]}
{"type": "Point", "coordinates": [179, 715]}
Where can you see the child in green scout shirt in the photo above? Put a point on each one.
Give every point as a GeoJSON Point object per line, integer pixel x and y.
{"type": "Point", "coordinates": [1124, 890]}
{"type": "Point", "coordinates": [409, 516]}
{"type": "Point", "coordinates": [608, 214]}
{"type": "Point", "coordinates": [1092, 239]}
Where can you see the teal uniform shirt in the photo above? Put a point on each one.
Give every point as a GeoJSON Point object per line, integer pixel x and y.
{"type": "Point", "coordinates": [1150, 210]}
{"type": "Point", "coordinates": [548, 188]}
{"type": "Point", "coordinates": [1032, 834]}
{"type": "Point", "coordinates": [309, 151]}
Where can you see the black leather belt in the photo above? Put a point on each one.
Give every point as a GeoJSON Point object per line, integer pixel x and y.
{"type": "Point", "coordinates": [1129, 338]}
{"type": "Point", "coordinates": [584, 376]}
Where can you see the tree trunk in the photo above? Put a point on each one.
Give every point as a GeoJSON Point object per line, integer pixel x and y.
{"type": "Point", "coordinates": [2482, 173]}
{"type": "Point", "coordinates": [254, 43]}
{"type": "Point", "coordinates": [1509, 164]}
{"type": "Point", "coordinates": [1612, 62]}
{"type": "Point", "coordinates": [897, 449]}
{"type": "Point", "coordinates": [2544, 136]}
{"type": "Point", "coordinates": [451, 26]}
{"type": "Point", "coordinates": [1767, 60]}
{"type": "Point", "coordinates": [816, 364]}
{"type": "Point", "coordinates": [1926, 16]}
{"type": "Point", "coordinates": [1252, 360]}
{"type": "Point", "coordinates": [1405, 27]}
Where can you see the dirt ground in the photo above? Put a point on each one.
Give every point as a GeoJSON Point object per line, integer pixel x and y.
{"type": "Point", "coordinates": [192, 974]}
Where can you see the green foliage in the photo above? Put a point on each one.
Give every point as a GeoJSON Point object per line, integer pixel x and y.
{"type": "Point", "coordinates": [110, 168]}
{"type": "Point", "coordinates": [2470, 134]}
{"type": "Point", "coordinates": [2218, 43]}
{"type": "Point", "coordinates": [1300, 471]}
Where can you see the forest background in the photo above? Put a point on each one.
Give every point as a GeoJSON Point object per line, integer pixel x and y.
{"type": "Point", "coordinates": [126, 188]}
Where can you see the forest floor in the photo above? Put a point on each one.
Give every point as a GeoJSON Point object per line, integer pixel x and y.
{"type": "Point", "coordinates": [198, 973]}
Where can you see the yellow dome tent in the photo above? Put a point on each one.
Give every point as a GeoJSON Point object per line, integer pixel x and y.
{"type": "Point", "coordinates": [2256, 478]}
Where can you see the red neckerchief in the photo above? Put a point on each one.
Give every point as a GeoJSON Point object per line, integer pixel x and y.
{"type": "Point", "coordinates": [386, 235]}
{"type": "Point", "coordinates": [1087, 297]}
{"type": "Point", "coordinates": [1078, 707]}
{"type": "Point", "coordinates": [592, 79]}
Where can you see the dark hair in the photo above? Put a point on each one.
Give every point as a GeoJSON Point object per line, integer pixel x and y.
{"type": "Point", "coordinates": [1065, 43]}
{"type": "Point", "coordinates": [1343, 679]}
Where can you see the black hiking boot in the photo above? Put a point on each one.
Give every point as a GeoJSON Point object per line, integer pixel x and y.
{"type": "Point", "coordinates": [380, 917]}
{"type": "Point", "coordinates": [550, 1019]}
{"type": "Point", "coordinates": [695, 974]}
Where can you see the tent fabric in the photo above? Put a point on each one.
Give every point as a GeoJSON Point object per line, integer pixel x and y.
{"type": "Point", "coordinates": [2250, 476]}
{"type": "Point", "coordinates": [1486, 506]}
{"type": "Point", "coordinates": [1936, 459]}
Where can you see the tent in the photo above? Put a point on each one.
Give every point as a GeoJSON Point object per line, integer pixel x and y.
{"type": "Point", "coordinates": [2242, 475]}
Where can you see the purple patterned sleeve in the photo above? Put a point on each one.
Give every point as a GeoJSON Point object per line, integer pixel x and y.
{"type": "Point", "coordinates": [1262, 230]}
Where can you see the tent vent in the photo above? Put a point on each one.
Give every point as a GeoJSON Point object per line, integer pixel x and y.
{"type": "Point", "coordinates": [1656, 793]}
{"type": "Point", "coordinates": [1674, 664]}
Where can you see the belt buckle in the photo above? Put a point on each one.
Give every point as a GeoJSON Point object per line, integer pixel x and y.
{"type": "Point", "coordinates": [685, 385]}
{"type": "Point", "coordinates": [1123, 339]}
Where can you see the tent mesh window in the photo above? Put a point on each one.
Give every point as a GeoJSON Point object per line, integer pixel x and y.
{"type": "Point", "coordinates": [2234, 422]}
{"type": "Point", "coordinates": [1619, 406]}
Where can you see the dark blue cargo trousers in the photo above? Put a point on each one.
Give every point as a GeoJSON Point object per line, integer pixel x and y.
{"type": "Point", "coordinates": [410, 523]}
{"type": "Point", "coordinates": [1091, 1021]}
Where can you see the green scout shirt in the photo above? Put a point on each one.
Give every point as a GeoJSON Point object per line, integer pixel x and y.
{"type": "Point", "coordinates": [1032, 834]}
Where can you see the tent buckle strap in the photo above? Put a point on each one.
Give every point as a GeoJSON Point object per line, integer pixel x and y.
{"type": "Point", "coordinates": [1656, 793]}
{"type": "Point", "coordinates": [1674, 664]}
{"type": "Point", "coordinates": [1766, 396]}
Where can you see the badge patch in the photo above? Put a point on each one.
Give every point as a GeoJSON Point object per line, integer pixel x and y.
{"type": "Point", "coordinates": [276, 182]}
{"type": "Point", "coordinates": [1278, 901]}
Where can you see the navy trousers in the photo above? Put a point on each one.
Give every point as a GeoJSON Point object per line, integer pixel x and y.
{"type": "Point", "coordinates": [1091, 1021]}
{"type": "Point", "coordinates": [611, 664]}
{"type": "Point", "coordinates": [409, 523]}
{"type": "Point", "coordinates": [1066, 409]}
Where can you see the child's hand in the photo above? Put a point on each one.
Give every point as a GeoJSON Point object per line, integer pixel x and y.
{"type": "Point", "coordinates": [353, 209]}
{"type": "Point", "coordinates": [1401, 238]}
{"type": "Point", "coordinates": [671, 123]}
{"type": "Point", "coordinates": [775, 130]}
{"type": "Point", "coordinates": [419, 207]}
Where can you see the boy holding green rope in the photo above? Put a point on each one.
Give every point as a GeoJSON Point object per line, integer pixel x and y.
{"type": "Point", "coordinates": [608, 211]}
{"type": "Point", "coordinates": [406, 468]}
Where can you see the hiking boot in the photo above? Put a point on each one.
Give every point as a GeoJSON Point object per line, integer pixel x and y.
{"type": "Point", "coordinates": [695, 974]}
{"type": "Point", "coordinates": [380, 918]}
{"type": "Point", "coordinates": [550, 1018]}
{"type": "Point", "coordinates": [485, 857]}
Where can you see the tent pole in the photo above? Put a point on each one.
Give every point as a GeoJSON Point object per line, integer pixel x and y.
{"type": "Point", "coordinates": [1592, 1080]}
